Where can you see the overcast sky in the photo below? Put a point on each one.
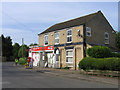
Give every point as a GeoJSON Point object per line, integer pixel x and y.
{"type": "Point", "coordinates": [27, 20]}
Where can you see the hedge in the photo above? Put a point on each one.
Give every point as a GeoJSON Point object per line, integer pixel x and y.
{"type": "Point", "coordinates": [99, 52]}
{"type": "Point", "coordinates": [89, 63]}
{"type": "Point", "coordinates": [115, 55]}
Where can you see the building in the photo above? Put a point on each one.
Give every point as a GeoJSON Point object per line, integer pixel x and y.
{"type": "Point", "coordinates": [64, 44]}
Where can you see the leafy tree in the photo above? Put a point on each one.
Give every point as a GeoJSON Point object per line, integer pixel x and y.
{"type": "Point", "coordinates": [118, 40]}
{"type": "Point", "coordinates": [16, 47]}
{"type": "Point", "coordinates": [23, 51]}
{"type": "Point", "coordinates": [35, 44]}
{"type": "Point", "coordinates": [7, 47]}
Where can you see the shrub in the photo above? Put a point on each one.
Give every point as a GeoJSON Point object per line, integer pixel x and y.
{"type": "Point", "coordinates": [89, 63]}
{"type": "Point", "coordinates": [99, 52]}
{"type": "Point", "coordinates": [115, 55]}
{"type": "Point", "coordinates": [23, 61]}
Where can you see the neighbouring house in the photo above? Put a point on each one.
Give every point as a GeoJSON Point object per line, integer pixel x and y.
{"type": "Point", "coordinates": [64, 44]}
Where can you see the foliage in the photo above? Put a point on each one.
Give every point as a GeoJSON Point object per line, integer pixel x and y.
{"type": "Point", "coordinates": [35, 44]}
{"type": "Point", "coordinates": [115, 54]}
{"type": "Point", "coordinates": [6, 47]}
{"type": "Point", "coordinates": [99, 52]}
{"type": "Point", "coordinates": [23, 51]}
{"type": "Point", "coordinates": [118, 40]}
{"type": "Point", "coordinates": [16, 47]}
{"type": "Point", "coordinates": [23, 61]}
{"type": "Point", "coordinates": [89, 63]}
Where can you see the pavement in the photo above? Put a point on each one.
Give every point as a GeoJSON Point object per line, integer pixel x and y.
{"type": "Point", "coordinates": [75, 74]}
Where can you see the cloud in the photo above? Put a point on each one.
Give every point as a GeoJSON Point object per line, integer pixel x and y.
{"type": "Point", "coordinates": [38, 16]}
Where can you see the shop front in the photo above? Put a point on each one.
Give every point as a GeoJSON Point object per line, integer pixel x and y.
{"type": "Point", "coordinates": [43, 56]}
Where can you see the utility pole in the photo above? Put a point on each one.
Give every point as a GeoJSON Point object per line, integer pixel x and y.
{"type": "Point", "coordinates": [22, 46]}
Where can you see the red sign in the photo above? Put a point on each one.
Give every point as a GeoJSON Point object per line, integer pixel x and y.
{"type": "Point", "coordinates": [42, 48]}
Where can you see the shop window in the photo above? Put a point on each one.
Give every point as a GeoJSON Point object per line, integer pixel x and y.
{"type": "Point", "coordinates": [88, 31]}
{"type": "Point", "coordinates": [56, 38]}
{"type": "Point", "coordinates": [69, 35]}
{"type": "Point", "coordinates": [46, 39]}
{"type": "Point", "coordinates": [69, 56]}
{"type": "Point", "coordinates": [106, 38]}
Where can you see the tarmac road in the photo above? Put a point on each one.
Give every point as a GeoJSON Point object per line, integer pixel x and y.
{"type": "Point", "coordinates": [17, 77]}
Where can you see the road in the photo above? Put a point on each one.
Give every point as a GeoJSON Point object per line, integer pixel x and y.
{"type": "Point", "coordinates": [17, 77]}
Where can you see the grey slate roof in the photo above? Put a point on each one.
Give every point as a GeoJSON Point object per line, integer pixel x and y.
{"type": "Point", "coordinates": [74, 22]}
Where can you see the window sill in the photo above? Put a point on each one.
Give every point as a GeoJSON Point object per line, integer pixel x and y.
{"type": "Point", "coordinates": [69, 42]}
{"type": "Point", "coordinates": [56, 43]}
{"type": "Point", "coordinates": [69, 62]}
{"type": "Point", "coordinates": [45, 45]}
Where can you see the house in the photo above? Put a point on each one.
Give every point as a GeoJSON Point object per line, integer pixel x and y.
{"type": "Point", "coordinates": [64, 44]}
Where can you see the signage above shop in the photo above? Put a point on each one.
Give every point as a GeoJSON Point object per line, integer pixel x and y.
{"type": "Point", "coordinates": [42, 48]}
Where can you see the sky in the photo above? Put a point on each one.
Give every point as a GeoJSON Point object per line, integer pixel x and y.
{"type": "Point", "coordinates": [27, 19]}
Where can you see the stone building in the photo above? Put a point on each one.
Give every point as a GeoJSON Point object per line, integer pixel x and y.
{"type": "Point", "coordinates": [66, 42]}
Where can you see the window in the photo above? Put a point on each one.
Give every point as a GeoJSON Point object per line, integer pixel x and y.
{"type": "Point", "coordinates": [106, 38]}
{"type": "Point", "coordinates": [56, 38]}
{"type": "Point", "coordinates": [69, 56]}
{"type": "Point", "coordinates": [69, 35]}
{"type": "Point", "coordinates": [88, 31]}
{"type": "Point", "coordinates": [46, 39]}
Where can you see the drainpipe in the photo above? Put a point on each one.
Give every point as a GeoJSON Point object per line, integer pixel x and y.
{"type": "Point", "coordinates": [84, 40]}
{"type": "Point", "coordinates": [75, 59]}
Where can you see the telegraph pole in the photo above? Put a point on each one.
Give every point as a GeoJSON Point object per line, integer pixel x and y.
{"type": "Point", "coordinates": [22, 46]}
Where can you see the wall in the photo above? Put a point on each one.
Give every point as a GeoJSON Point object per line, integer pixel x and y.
{"type": "Point", "coordinates": [99, 26]}
{"type": "Point", "coordinates": [62, 36]}
{"type": "Point", "coordinates": [77, 56]}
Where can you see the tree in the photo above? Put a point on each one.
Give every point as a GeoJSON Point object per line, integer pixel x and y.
{"type": "Point", "coordinates": [16, 47]}
{"type": "Point", "coordinates": [118, 40]}
{"type": "Point", "coordinates": [23, 51]}
{"type": "Point", "coordinates": [7, 47]}
{"type": "Point", "coordinates": [35, 44]}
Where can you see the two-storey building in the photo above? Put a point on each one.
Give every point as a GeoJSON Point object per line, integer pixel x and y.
{"type": "Point", "coordinates": [68, 41]}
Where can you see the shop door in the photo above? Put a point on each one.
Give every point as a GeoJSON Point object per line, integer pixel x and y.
{"type": "Point", "coordinates": [36, 58]}
{"type": "Point", "coordinates": [50, 59]}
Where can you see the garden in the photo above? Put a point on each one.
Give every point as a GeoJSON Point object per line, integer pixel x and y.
{"type": "Point", "coordinates": [100, 60]}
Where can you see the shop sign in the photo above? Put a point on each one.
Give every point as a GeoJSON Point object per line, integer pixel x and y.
{"type": "Point", "coordinates": [42, 48]}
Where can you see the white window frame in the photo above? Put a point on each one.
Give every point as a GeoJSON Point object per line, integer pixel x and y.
{"type": "Point", "coordinates": [69, 35]}
{"type": "Point", "coordinates": [44, 39]}
{"type": "Point", "coordinates": [88, 28]}
{"type": "Point", "coordinates": [57, 37]}
{"type": "Point", "coordinates": [69, 56]}
{"type": "Point", "coordinates": [107, 38]}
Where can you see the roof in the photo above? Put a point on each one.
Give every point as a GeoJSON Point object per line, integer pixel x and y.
{"type": "Point", "coordinates": [70, 23]}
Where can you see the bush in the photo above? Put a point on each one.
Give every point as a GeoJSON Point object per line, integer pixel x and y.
{"type": "Point", "coordinates": [89, 63]}
{"type": "Point", "coordinates": [99, 52]}
{"type": "Point", "coordinates": [23, 61]}
{"type": "Point", "coordinates": [115, 55]}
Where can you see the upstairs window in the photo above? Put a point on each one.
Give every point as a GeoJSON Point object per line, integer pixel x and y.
{"type": "Point", "coordinates": [69, 35]}
{"type": "Point", "coordinates": [56, 38]}
{"type": "Point", "coordinates": [106, 38]}
{"type": "Point", "coordinates": [46, 39]}
{"type": "Point", "coordinates": [88, 31]}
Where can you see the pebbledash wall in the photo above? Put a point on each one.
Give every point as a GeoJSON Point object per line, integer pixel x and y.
{"type": "Point", "coordinates": [70, 39]}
